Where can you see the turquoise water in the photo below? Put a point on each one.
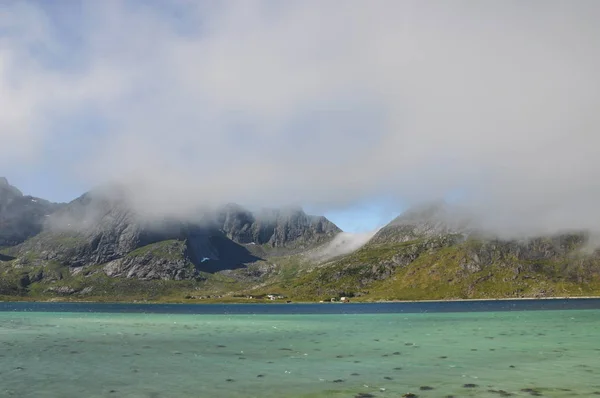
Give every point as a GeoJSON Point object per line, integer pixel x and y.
{"type": "Point", "coordinates": [553, 353]}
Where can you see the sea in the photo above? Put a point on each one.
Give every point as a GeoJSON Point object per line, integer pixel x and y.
{"type": "Point", "coordinates": [522, 348]}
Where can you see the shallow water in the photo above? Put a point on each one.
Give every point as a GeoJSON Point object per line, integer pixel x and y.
{"type": "Point", "coordinates": [552, 353]}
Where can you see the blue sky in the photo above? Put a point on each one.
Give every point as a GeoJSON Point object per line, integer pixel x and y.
{"type": "Point", "coordinates": [356, 111]}
{"type": "Point", "coordinates": [364, 218]}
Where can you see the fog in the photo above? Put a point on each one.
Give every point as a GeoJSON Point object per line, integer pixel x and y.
{"type": "Point", "coordinates": [315, 103]}
{"type": "Point", "coordinates": [343, 243]}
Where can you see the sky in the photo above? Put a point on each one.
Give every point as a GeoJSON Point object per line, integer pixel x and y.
{"type": "Point", "coordinates": [355, 109]}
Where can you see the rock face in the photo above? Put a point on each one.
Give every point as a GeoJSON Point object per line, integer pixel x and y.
{"type": "Point", "coordinates": [21, 216]}
{"type": "Point", "coordinates": [162, 260]}
{"type": "Point", "coordinates": [556, 255]}
{"type": "Point", "coordinates": [287, 228]}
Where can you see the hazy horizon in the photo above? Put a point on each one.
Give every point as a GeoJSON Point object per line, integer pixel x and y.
{"type": "Point", "coordinates": [354, 110]}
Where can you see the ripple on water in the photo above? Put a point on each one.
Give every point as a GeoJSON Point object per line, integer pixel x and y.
{"type": "Point", "coordinates": [237, 356]}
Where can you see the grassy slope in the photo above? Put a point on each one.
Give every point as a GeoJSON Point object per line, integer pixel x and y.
{"type": "Point", "coordinates": [342, 276]}
{"type": "Point", "coordinates": [372, 273]}
{"type": "Point", "coordinates": [167, 249]}
{"type": "Point", "coordinates": [21, 282]}
{"type": "Point", "coordinates": [105, 288]}
{"type": "Point", "coordinates": [439, 276]}
{"type": "Point", "coordinates": [435, 274]}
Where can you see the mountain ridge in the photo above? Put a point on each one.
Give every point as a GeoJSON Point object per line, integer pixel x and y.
{"type": "Point", "coordinates": [98, 246]}
{"type": "Point", "coordinates": [101, 228]}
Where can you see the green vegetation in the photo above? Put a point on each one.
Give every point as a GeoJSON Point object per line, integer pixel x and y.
{"type": "Point", "coordinates": [422, 269]}
{"type": "Point", "coordinates": [59, 240]}
{"type": "Point", "coordinates": [167, 249]}
{"type": "Point", "coordinates": [92, 284]}
{"type": "Point", "coordinates": [28, 278]}
{"type": "Point", "coordinates": [439, 270]}
{"type": "Point", "coordinates": [63, 244]}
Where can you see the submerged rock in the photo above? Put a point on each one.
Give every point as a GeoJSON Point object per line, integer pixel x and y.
{"type": "Point", "coordinates": [502, 393]}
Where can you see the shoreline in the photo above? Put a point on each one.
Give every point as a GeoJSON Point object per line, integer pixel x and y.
{"type": "Point", "coordinates": [150, 302]}
{"type": "Point", "coordinates": [490, 299]}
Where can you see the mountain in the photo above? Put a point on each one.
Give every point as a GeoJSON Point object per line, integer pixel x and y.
{"type": "Point", "coordinates": [21, 216]}
{"type": "Point", "coordinates": [426, 221]}
{"type": "Point", "coordinates": [101, 233]}
{"type": "Point", "coordinates": [430, 252]}
{"type": "Point", "coordinates": [98, 247]}
{"type": "Point", "coordinates": [276, 228]}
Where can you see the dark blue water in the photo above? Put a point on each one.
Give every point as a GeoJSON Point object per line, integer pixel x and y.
{"type": "Point", "coordinates": [322, 308]}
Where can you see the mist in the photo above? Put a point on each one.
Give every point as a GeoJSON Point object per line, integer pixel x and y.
{"type": "Point", "coordinates": [312, 103]}
{"type": "Point", "coordinates": [343, 243]}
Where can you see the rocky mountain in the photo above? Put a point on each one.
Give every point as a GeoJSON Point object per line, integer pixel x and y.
{"type": "Point", "coordinates": [431, 253]}
{"type": "Point", "coordinates": [275, 228]}
{"type": "Point", "coordinates": [99, 247]}
{"type": "Point", "coordinates": [102, 229]}
{"type": "Point", "coordinates": [21, 216]}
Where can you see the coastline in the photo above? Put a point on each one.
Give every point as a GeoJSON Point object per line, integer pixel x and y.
{"type": "Point", "coordinates": [8, 299]}
{"type": "Point", "coordinates": [491, 299]}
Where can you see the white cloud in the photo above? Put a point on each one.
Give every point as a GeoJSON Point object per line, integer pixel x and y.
{"type": "Point", "coordinates": [325, 103]}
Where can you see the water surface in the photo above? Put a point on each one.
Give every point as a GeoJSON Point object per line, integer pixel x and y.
{"type": "Point", "coordinates": [472, 349]}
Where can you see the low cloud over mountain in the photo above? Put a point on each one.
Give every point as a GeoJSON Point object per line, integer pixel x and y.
{"type": "Point", "coordinates": [312, 103]}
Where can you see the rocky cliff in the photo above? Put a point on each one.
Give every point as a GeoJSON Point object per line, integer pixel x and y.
{"type": "Point", "coordinates": [275, 228]}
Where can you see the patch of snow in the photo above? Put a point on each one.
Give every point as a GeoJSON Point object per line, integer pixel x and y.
{"type": "Point", "coordinates": [205, 259]}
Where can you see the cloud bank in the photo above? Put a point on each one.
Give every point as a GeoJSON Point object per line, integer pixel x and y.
{"type": "Point", "coordinates": [320, 103]}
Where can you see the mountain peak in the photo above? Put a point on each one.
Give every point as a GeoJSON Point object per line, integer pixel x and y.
{"type": "Point", "coordinates": [7, 190]}
{"type": "Point", "coordinates": [21, 217]}
{"type": "Point", "coordinates": [427, 220]}
{"type": "Point", "coordinates": [433, 211]}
